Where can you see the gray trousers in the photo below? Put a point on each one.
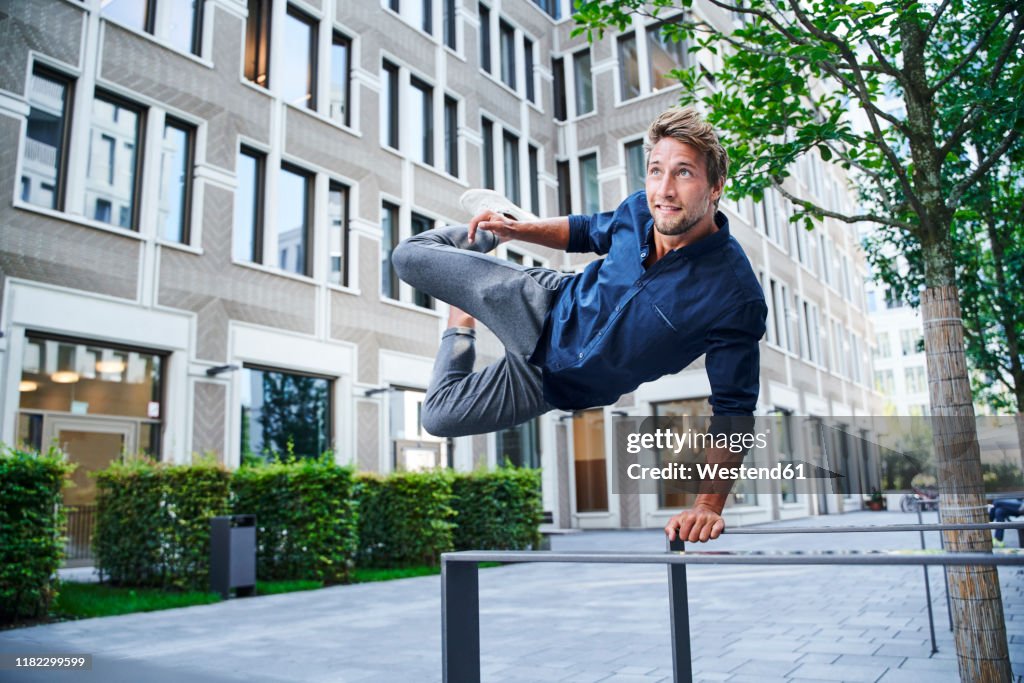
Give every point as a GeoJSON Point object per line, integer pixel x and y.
{"type": "Point", "coordinates": [511, 300]}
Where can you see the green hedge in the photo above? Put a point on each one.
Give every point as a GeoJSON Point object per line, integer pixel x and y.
{"type": "Point", "coordinates": [305, 516]}
{"type": "Point", "coordinates": [497, 510]}
{"type": "Point", "coordinates": [405, 518]}
{"type": "Point", "coordinates": [31, 528]}
{"type": "Point", "coordinates": [153, 522]}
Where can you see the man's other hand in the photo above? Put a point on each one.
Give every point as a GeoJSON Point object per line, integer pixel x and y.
{"type": "Point", "coordinates": [700, 523]}
{"type": "Point", "coordinates": [503, 227]}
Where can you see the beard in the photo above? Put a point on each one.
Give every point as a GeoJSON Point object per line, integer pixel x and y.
{"type": "Point", "coordinates": [681, 224]}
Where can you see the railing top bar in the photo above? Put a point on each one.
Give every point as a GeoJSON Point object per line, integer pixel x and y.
{"type": "Point", "coordinates": [870, 529]}
{"type": "Point", "coordinates": [1006, 557]}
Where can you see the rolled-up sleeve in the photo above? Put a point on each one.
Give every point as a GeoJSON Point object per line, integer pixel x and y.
{"type": "Point", "coordinates": [591, 234]}
{"type": "Point", "coordinates": [733, 360]}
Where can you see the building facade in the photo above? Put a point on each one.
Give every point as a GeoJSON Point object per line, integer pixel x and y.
{"type": "Point", "coordinates": [197, 212]}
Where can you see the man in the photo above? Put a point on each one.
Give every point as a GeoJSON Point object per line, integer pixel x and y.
{"type": "Point", "coordinates": [673, 285]}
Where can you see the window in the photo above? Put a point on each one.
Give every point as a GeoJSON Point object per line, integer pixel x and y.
{"type": "Point", "coordinates": [450, 19]}
{"type": "Point", "coordinates": [885, 382]}
{"type": "Point", "coordinates": [179, 23]}
{"type": "Point", "coordinates": [175, 181]}
{"type": "Point", "coordinates": [340, 86]}
{"type": "Point", "coordinates": [784, 451]}
{"type": "Point", "coordinates": [584, 83]}
{"type": "Point", "coordinates": [421, 224]}
{"type": "Point", "coordinates": [629, 67]}
{"type": "Point", "coordinates": [422, 120]}
{"type": "Point", "coordinates": [43, 163]}
{"type": "Point", "coordinates": [590, 190]}
{"type": "Point", "coordinates": [636, 166]}
{"type": "Point", "coordinates": [551, 7]}
{"type": "Point", "coordinates": [780, 301]}
{"type": "Point", "coordinates": [247, 231]}
{"type": "Point", "coordinates": [102, 212]}
{"type": "Point", "coordinates": [299, 60]}
{"type": "Point", "coordinates": [507, 44]}
{"type": "Point", "coordinates": [389, 112]}
{"type": "Point", "coordinates": [510, 147]}
{"type": "Point", "coordinates": [337, 233]}
{"type": "Point", "coordinates": [519, 446]}
{"type": "Point", "coordinates": [114, 177]}
{"type": "Point", "coordinates": [663, 56]}
{"type": "Point", "coordinates": [451, 135]}
{"type": "Point", "coordinates": [257, 43]}
{"type": "Point", "coordinates": [487, 133]}
{"type": "Point", "coordinates": [284, 414]}
{"type": "Point", "coordinates": [485, 38]}
{"type": "Point", "coordinates": [558, 85]}
{"type": "Point", "coordinates": [564, 188]}
{"type": "Point", "coordinates": [294, 224]}
{"type": "Point", "coordinates": [909, 340]}
{"type": "Point", "coordinates": [884, 348]}
{"type": "Point", "coordinates": [532, 153]}
{"type": "Point", "coordinates": [388, 242]}
{"type": "Point", "coordinates": [531, 92]}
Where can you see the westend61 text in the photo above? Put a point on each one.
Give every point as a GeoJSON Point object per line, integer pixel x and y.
{"type": "Point", "coordinates": [666, 439]}
{"type": "Point", "coordinates": [709, 472]}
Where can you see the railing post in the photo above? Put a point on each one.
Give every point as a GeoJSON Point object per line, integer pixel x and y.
{"type": "Point", "coordinates": [460, 622]}
{"type": "Point", "coordinates": [927, 587]}
{"type": "Point", "coordinates": [679, 609]}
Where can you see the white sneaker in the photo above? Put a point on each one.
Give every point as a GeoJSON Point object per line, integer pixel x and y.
{"type": "Point", "coordinates": [478, 200]}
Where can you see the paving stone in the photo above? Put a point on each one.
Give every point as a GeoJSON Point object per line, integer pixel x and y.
{"type": "Point", "coordinates": [835, 672]}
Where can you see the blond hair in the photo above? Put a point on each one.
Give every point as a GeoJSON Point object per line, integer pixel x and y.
{"type": "Point", "coordinates": [687, 126]}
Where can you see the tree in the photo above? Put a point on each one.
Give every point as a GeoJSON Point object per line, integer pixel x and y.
{"type": "Point", "coordinates": [895, 92]}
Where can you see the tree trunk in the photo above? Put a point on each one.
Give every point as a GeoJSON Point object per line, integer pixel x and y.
{"type": "Point", "coordinates": [975, 596]}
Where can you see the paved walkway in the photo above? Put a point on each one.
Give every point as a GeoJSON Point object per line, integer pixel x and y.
{"type": "Point", "coordinates": [569, 623]}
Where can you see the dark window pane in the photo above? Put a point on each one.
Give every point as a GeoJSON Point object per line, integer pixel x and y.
{"type": "Point", "coordinates": [248, 207]}
{"type": "Point", "coordinates": [487, 132]}
{"type": "Point", "coordinates": [43, 161]}
{"type": "Point", "coordinates": [511, 154]}
{"type": "Point", "coordinates": [299, 61]}
{"type": "Point", "coordinates": [584, 84]}
{"type": "Point", "coordinates": [428, 16]}
{"type": "Point", "coordinates": [422, 120]}
{"type": "Point", "coordinates": [508, 54]}
{"type": "Point", "coordinates": [257, 43]}
{"type": "Point", "coordinates": [549, 6]}
{"type": "Point", "coordinates": [485, 38]}
{"type": "Point", "coordinates": [451, 136]}
{"type": "Point", "coordinates": [519, 446]}
{"type": "Point", "coordinates": [293, 242]}
{"type": "Point", "coordinates": [534, 181]}
{"type": "Point", "coordinates": [528, 69]}
{"type": "Point", "coordinates": [422, 224]}
{"type": "Point", "coordinates": [389, 112]}
{"type": "Point", "coordinates": [558, 83]}
{"type": "Point", "coordinates": [636, 167]}
{"type": "Point", "coordinates": [284, 414]}
{"type": "Point", "coordinates": [564, 188]}
{"type": "Point", "coordinates": [629, 69]}
{"type": "Point", "coordinates": [389, 240]}
{"type": "Point", "coordinates": [337, 234]}
{"type": "Point", "coordinates": [112, 161]}
{"type": "Point", "coordinates": [341, 68]}
{"type": "Point", "coordinates": [450, 17]}
{"type": "Point", "coordinates": [175, 179]}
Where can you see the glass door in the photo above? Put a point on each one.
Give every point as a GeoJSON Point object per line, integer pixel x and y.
{"type": "Point", "coordinates": [92, 443]}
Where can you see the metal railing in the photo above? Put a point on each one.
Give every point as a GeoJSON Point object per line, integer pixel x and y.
{"type": "Point", "coordinates": [81, 521]}
{"type": "Point", "coordinates": [460, 596]}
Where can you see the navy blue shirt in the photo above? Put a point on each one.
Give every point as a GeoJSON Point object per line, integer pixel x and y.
{"type": "Point", "coordinates": [617, 324]}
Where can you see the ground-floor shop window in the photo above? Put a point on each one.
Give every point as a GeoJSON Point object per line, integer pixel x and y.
{"type": "Point", "coordinates": [284, 414]}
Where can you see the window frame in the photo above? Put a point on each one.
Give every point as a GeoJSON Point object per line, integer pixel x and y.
{"type": "Point", "coordinates": [507, 53]}
{"type": "Point", "coordinates": [485, 38]}
{"type": "Point", "coordinates": [308, 216]}
{"type": "Point", "coordinates": [576, 70]}
{"type": "Point", "coordinates": [337, 38]}
{"type": "Point", "coordinates": [259, 197]}
{"type": "Point", "coordinates": [393, 136]}
{"type": "Point", "coordinates": [394, 212]}
{"type": "Point", "coordinates": [140, 140]}
{"type": "Point", "coordinates": [346, 205]}
{"type": "Point", "coordinates": [425, 91]}
{"type": "Point", "coordinates": [488, 174]}
{"type": "Point", "coordinates": [450, 109]}
{"type": "Point", "coordinates": [258, 32]}
{"type": "Point", "coordinates": [312, 73]}
{"type": "Point", "coordinates": [190, 131]}
{"type": "Point", "coordinates": [42, 70]}
{"type": "Point", "coordinates": [583, 158]}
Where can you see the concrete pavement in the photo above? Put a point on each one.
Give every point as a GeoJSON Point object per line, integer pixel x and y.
{"type": "Point", "coordinates": [570, 623]}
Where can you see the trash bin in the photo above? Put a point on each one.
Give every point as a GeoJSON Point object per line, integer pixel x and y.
{"type": "Point", "coordinates": [233, 555]}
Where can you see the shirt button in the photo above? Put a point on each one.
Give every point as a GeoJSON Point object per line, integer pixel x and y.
{"type": "Point", "coordinates": [617, 308]}
{"type": "Point", "coordinates": [581, 355]}
{"type": "Point", "coordinates": [637, 283]}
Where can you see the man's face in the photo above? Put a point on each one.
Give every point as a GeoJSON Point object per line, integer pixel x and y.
{"type": "Point", "coordinates": [678, 193]}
